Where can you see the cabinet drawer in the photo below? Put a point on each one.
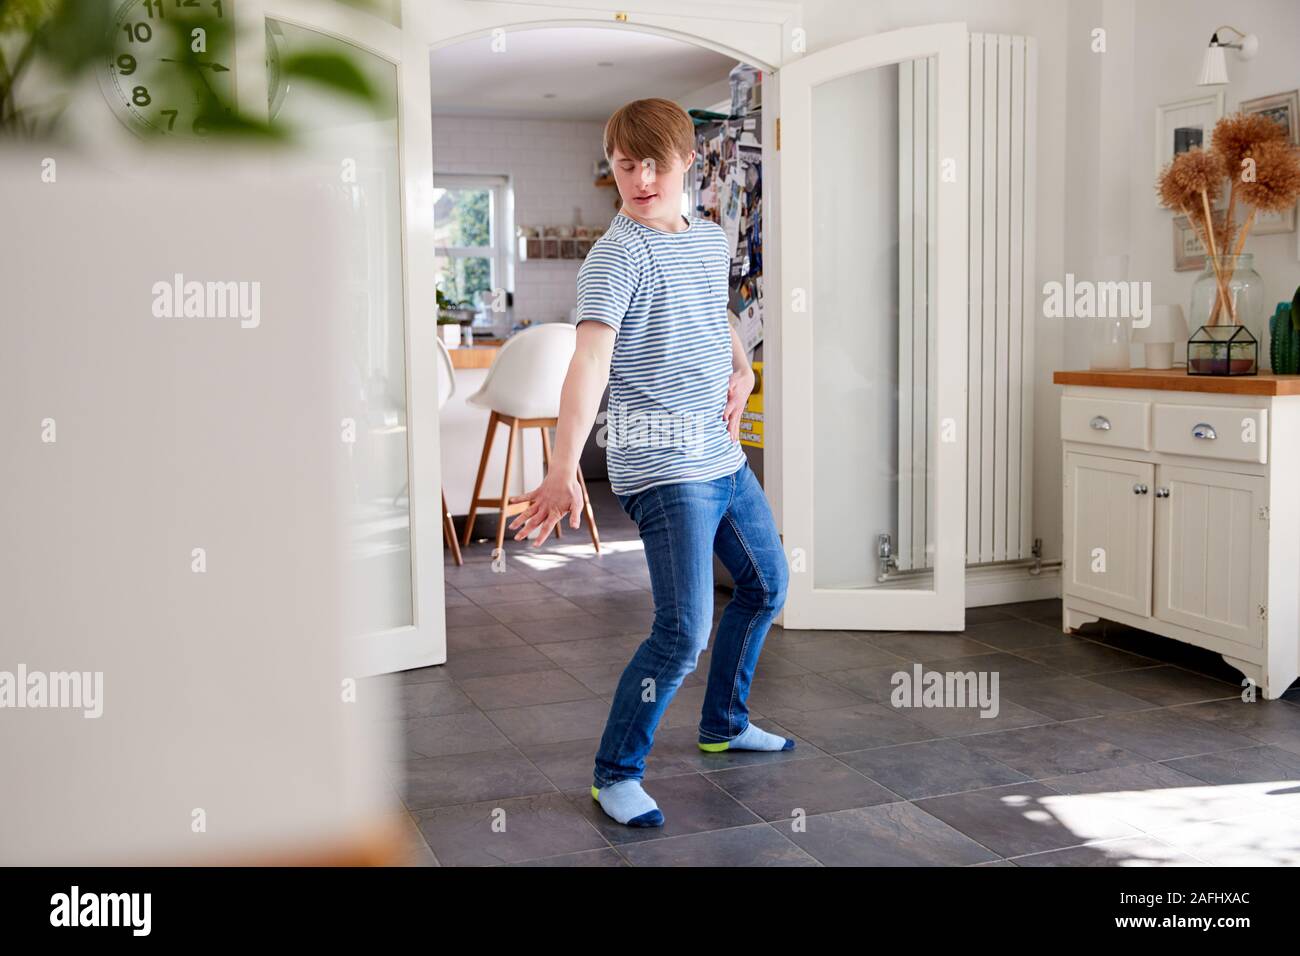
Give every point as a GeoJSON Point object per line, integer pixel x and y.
{"type": "Point", "coordinates": [1212, 431]}
{"type": "Point", "coordinates": [1106, 421]}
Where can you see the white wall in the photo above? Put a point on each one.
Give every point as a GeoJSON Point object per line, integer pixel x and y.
{"type": "Point", "coordinates": [1171, 35]}
{"type": "Point", "coordinates": [549, 163]}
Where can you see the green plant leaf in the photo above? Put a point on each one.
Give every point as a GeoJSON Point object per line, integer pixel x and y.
{"type": "Point", "coordinates": [331, 70]}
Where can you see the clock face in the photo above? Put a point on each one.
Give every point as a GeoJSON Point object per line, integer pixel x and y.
{"type": "Point", "coordinates": [169, 58]}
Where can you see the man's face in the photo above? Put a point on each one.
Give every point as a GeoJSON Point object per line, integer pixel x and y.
{"type": "Point", "coordinates": [653, 191]}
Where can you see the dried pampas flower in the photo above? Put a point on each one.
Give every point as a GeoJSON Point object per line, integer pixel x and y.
{"type": "Point", "coordinates": [1191, 176]}
{"type": "Point", "coordinates": [1239, 133]}
{"type": "Point", "coordinates": [1275, 181]}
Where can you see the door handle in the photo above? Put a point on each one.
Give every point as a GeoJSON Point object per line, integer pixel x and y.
{"type": "Point", "coordinates": [1162, 492]}
{"type": "Point", "coordinates": [1139, 489]}
{"type": "Point", "coordinates": [1202, 430]}
{"type": "Point", "coordinates": [1101, 423]}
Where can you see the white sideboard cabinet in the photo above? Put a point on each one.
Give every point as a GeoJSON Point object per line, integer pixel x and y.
{"type": "Point", "coordinates": [1181, 505]}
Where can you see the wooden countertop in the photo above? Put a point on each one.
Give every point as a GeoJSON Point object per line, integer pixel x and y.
{"type": "Point", "coordinates": [479, 355]}
{"type": "Point", "coordinates": [1177, 380]}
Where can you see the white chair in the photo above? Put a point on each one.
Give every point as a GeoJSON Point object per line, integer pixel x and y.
{"type": "Point", "coordinates": [522, 390]}
{"type": "Point", "coordinates": [446, 389]}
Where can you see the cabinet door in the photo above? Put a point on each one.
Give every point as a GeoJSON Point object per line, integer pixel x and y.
{"type": "Point", "coordinates": [1108, 517]}
{"type": "Point", "coordinates": [1210, 553]}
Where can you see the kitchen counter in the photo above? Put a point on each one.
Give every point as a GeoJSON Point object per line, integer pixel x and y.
{"type": "Point", "coordinates": [479, 355]}
{"type": "Point", "coordinates": [1177, 380]}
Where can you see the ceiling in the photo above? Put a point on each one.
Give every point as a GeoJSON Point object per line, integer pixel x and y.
{"type": "Point", "coordinates": [469, 79]}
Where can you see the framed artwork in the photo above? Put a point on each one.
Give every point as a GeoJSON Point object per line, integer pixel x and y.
{"type": "Point", "coordinates": [1184, 124]}
{"type": "Point", "coordinates": [1189, 251]}
{"type": "Point", "coordinates": [1283, 109]}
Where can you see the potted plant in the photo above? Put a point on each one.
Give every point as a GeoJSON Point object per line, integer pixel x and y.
{"type": "Point", "coordinates": [452, 316]}
{"type": "Point", "coordinates": [1251, 151]}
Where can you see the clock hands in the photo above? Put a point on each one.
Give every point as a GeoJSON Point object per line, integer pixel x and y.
{"type": "Point", "coordinates": [214, 67]}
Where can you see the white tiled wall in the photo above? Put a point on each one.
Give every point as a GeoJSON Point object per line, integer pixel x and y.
{"type": "Point", "coordinates": [549, 163]}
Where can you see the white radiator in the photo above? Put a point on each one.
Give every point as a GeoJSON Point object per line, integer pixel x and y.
{"type": "Point", "coordinates": [999, 414]}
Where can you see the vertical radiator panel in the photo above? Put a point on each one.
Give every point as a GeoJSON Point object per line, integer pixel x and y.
{"type": "Point", "coordinates": [1000, 357]}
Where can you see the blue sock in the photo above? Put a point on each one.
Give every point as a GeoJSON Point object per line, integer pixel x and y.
{"type": "Point", "coordinates": [626, 802]}
{"type": "Point", "coordinates": [751, 738]}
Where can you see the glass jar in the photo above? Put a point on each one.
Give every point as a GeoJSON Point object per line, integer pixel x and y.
{"type": "Point", "coordinates": [1245, 291]}
{"type": "Point", "coordinates": [1110, 343]}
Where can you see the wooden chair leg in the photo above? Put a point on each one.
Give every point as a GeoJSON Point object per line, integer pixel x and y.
{"type": "Point", "coordinates": [505, 485]}
{"type": "Point", "coordinates": [591, 515]}
{"type": "Point", "coordinates": [546, 459]}
{"type": "Point", "coordinates": [478, 482]}
{"type": "Point", "coordinates": [449, 531]}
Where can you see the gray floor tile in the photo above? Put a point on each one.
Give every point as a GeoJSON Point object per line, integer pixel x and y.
{"type": "Point", "coordinates": [1270, 773]}
{"type": "Point", "coordinates": [551, 723]}
{"type": "Point", "coordinates": [491, 661]}
{"type": "Point", "coordinates": [804, 692]}
{"type": "Point", "coordinates": [1019, 818]}
{"type": "Point", "coordinates": [451, 734]}
{"type": "Point", "coordinates": [969, 721]}
{"type": "Point", "coordinates": [1140, 851]}
{"type": "Point", "coordinates": [589, 652]}
{"type": "Point", "coordinates": [467, 778]}
{"type": "Point", "coordinates": [927, 646]}
{"type": "Point", "coordinates": [606, 857]}
{"type": "Point", "coordinates": [523, 690]}
{"type": "Point", "coordinates": [757, 845]}
{"type": "Point", "coordinates": [1015, 634]}
{"type": "Point", "coordinates": [1269, 721]}
{"type": "Point", "coordinates": [1068, 698]}
{"type": "Point", "coordinates": [931, 768]}
{"type": "Point", "coordinates": [582, 626]}
{"type": "Point", "coordinates": [505, 592]}
{"type": "Point", "coordinates": [432, 698]}
{"type": "Point", "coordinates": [1161, 734]}
{"type": "Point", "coordinates": [842, 651]}
{"type": "Point", "coordinates": [856, 727]}
{"type": "Point", "coordinates": [507, 831]}
{"type": "Point", "coordinates": [781, 792]}
{"type": "Point", "coordinates": [1257, 839]}
{"type": "Point", "coordinates": [1165, 685]}
{"type": "Point", "coordinates": [1148, 796]}
{"type": "Point", "coordinates": [461, 639]}
{"type": "Point", "coordinates": [892, 834]}
{"type": "Point", "coordinates": [1050, 750]}
{"type": "Point", "coordinates": [1082, 658]}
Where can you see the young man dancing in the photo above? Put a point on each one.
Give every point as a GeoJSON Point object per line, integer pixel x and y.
{"type": "Point", "coordinates": [652, 322]}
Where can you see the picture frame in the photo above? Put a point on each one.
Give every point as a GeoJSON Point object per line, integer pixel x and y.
{"type": "Point", "coordinates": [1284, 108]}
{"type": "Point", "coordinates": [1182, 124]}
{"type": "Point", "coordinates": [1189, 250]}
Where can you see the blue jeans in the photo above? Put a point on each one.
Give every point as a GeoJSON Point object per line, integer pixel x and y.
{"type": "Point", "coordinates": [682, 525]}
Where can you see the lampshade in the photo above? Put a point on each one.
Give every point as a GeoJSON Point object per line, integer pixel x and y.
{"type": "Point", "coordinates": [1168, 324]}
{"type": "Point", "coordinates": [1214, 67]}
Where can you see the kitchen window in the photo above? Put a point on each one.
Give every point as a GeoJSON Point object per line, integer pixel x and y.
{"type": "Point", "coordinates": [471, 228]}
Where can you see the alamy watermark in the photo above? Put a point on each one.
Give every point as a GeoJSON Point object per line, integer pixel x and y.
{"type": "Point", "coordinates": [656, 428]}
{"type": "Point", "coordinates": [922, 688]}
{"type": "Point", "coordinates": [179, 299]}
{"type": "Point", "coordinates": [77, 690]}
{"type": "Point", "coordinates": [1085, 299]}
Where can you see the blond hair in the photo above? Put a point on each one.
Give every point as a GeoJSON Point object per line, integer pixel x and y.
{"type": "Point", "coordinates": [654, 128]}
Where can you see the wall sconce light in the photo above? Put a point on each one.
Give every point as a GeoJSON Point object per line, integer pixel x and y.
{"type": "Point", "coordinates": [1214, 68]}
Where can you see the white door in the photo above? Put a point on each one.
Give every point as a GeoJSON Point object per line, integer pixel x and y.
{"type": "Point", "coordinates": [873, 319]}
{"type": "Point", "coordinates": [1108, 519]}
{"type": "Point", "coordinates": [375, 163]}
{"type": "Point", "coordinates": [1210, 552]}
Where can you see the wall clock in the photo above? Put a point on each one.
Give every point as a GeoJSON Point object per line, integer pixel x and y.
{"type": "Point", "coordinates": [146, 81]}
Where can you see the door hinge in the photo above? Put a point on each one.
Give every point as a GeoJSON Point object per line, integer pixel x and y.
{"type": "Point", "coordinates": [1263, 513]}
{"type": "Point", "coordinates": [1263, 612]}
{"type": "Point", "coordinates": [778, 132]}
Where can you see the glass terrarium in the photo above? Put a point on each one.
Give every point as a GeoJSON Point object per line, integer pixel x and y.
{"type": "Point", "coordinates": [1222, 350]}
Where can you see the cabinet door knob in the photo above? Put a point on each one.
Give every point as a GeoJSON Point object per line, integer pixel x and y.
{"type": "Point", "coordinates": [1162, 492]}
{"type": "Point", "coordinates": [1203, 430]}
{"type": "Point", "coordinates": [1139, 489]}
{"type": "Point", "coordinates": [1101, 423]}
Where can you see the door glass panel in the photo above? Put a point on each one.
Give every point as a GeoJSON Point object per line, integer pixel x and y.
{"type": "Point", "coordinates": [338, 133]}
{"type": "Point", "coordinates": [873, 327]}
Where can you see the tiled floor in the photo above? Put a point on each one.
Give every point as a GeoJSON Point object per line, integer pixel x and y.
{"type": "Point", "coordinates": [1118, 748]}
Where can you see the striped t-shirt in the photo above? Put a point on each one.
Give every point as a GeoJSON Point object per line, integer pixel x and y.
{"type": "Point", "coordinates": [665, 294]}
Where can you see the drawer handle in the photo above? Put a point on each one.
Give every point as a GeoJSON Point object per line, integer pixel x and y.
{"type": "Point", "coordinates": [1162, 492]}
{"type": "Point", "coordinates": [1139, 489]}
{"type": "Point", "coordinates": [1203, 430]}
{"type": "Point", "coordinates": [1101, 423]}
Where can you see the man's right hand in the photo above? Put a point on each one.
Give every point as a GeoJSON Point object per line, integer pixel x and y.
{"type": "Point", "coordinates": [550, 501]}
